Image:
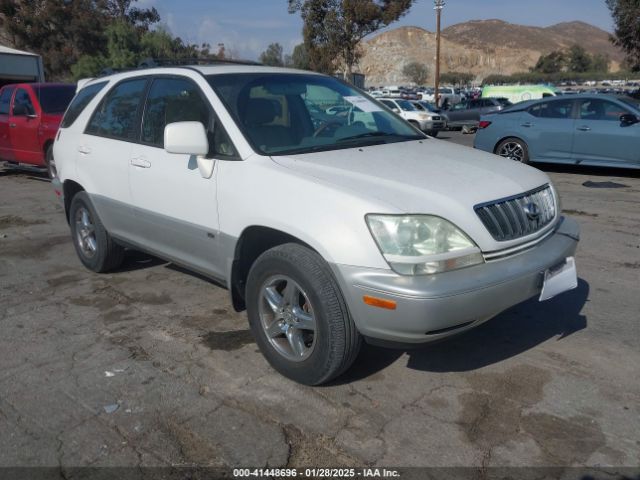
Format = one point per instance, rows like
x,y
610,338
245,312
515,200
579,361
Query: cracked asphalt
x,y
150,366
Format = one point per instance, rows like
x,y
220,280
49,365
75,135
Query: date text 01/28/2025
x,y
316,473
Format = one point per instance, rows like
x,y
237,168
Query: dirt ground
x,y
150,366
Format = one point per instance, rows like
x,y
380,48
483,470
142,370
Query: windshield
x,y
283,114
55,99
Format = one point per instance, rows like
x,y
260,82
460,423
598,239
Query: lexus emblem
x,y
532,210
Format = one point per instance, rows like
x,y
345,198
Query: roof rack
x,y
173,62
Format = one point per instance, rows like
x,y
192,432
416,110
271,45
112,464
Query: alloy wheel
x,y
86,233
287,318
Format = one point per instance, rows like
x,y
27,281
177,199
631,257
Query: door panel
x,y
600,138
23,130
104,151
548,128
6,152
175,207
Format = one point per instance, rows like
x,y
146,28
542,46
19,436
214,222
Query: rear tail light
x,y
484,124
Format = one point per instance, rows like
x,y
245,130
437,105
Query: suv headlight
x,y
422,244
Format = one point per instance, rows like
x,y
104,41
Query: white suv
x,y
328,229
424,121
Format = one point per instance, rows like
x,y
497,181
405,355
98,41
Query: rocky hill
x,y
481,47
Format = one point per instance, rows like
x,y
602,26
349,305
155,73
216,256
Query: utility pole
x,y
439,4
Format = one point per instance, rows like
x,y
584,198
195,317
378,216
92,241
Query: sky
x,y
246,27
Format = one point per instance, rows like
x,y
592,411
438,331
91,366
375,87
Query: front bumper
x,y
436,306
58,189
429,125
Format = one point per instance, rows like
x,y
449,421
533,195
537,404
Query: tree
x,y
299,58
626,16
333,29
552,63
416,72
457,78
600,63
578,59
62,31
272,55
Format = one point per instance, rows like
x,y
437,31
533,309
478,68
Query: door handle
x,y
584,128
84,150
140,162
527,124
12,125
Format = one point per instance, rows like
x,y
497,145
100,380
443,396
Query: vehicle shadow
x,y
136,260
509,334
586,170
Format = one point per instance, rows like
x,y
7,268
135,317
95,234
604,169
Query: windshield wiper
x,y
379,134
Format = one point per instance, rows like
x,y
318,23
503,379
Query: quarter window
x,y
558,109
23,99
116,115
597,109
5,100
80,102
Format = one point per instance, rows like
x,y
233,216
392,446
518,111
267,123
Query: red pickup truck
x,y
30,114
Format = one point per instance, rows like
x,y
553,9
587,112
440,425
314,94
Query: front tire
x,y
298,316
514,149
95,247
433,133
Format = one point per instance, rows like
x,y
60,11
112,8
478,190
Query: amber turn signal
x,y
379,302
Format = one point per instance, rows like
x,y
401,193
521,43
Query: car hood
x,y
428,176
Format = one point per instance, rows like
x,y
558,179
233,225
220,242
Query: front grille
x,y
518,216
436,118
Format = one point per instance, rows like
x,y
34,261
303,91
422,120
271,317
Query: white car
x,y
427,122
327,232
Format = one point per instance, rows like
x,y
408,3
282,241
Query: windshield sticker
x,y
363,104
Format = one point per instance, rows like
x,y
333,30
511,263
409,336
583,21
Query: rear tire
x,y
298,316
95,247
514,149
50,163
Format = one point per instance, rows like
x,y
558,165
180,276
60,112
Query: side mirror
x,y
396,110
189,138
628,119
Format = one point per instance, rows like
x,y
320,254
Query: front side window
x,y
300,113
116,115
80,102
558,109
173,100
55,99
597,109
22,104
5,100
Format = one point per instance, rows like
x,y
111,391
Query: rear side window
x,y
80,102
5,100
559,109
55,99
116,115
